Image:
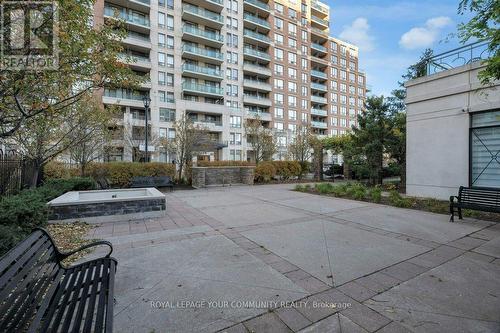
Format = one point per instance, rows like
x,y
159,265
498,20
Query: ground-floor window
x,y
485,149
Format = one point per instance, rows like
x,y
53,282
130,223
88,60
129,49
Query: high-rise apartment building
x,y
225,61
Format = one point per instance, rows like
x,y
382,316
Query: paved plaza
x,y
268,259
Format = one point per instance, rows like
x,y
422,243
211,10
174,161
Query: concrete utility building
x,y
453,126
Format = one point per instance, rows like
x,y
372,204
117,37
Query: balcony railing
x,y
120,94
259,4
203,13
202,52
257,68
202,70
319,7
257,83
319,112
208,122
256,35
319,86
320,21
256,20
134,58
318,99
202,88
458,57
256,53
203,33
319,124
318,47
122,14
317,73
320,31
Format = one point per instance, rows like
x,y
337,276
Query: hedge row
x,y
118,174
284,170
20,214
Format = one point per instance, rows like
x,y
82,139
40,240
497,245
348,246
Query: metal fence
x,y
458,57
15,174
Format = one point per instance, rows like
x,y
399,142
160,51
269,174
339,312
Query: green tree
x,y
484,26
88,60
262,140
396,144
371,136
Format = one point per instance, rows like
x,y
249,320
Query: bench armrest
x,y
452,198
70,253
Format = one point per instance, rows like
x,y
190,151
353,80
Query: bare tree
x,y
189,138
262,140
135,136
300,149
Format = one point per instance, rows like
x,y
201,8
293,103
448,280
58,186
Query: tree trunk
x,y
347,170
403,177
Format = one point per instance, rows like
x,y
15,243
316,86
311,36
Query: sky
x,y
392,34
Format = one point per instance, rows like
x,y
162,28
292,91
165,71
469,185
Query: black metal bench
x,y
159,181
484,199
39,294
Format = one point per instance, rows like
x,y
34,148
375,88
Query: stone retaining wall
x,y
220,176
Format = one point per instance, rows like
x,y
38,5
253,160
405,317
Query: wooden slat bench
x,y
159,181
39,294
484,199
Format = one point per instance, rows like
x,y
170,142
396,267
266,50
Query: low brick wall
x,y
220,176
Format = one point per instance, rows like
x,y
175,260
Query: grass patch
x,y
360,192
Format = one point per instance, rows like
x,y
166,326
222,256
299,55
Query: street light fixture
x,y
147,103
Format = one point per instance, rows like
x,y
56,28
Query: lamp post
x,y
147,102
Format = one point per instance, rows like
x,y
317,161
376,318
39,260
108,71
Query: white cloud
x,y
425,36
358,34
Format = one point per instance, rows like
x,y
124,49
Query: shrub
x,y
120,174
287,169
397,200
20,214
324,188
224,163
265,171
59,170
299,188
375,194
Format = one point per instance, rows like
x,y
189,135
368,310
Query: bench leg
x,y
460,214
452,214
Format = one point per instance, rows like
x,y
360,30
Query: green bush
x,y
120,174
287,169
264,172
299,188
20,214
59,170
224,163
397,200
375,194
324,188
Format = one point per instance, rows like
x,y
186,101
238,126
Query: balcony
x,y
257,6
319,86
256,54
319,112
255,22
256,38
199,72
197,14
140,23
322,23
319,8
318,49
257,85
318,74
202,36
256,100
135,41
264,116
140,5
197,53
319,124
213,5
256,69
135,62
210,125
123,97
318,99
202,89
321,33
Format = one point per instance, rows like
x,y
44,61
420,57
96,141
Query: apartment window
x,y
161,20
343,87
278,113
279,69
305,117
484,134
278,39
352,66
292,58
292,29
278,54
352,77
343,50
292,115
292,101
334,121
161,40
361,92
232,90
170,4
343,99
278,126
292,13
304,90
232,57
170,61
170,79
304,77
304,63
334,85
170,22
232,5
343,63
334,109
235,154
343,75
235,121
352,101
352,90
292,128
167,114
279,7
333,71
161,3
292,73
235,138
304,49
334,59
170,42
163,132
304,35
343,110
334,46
161,58
161,78
292,87
279,99
334,97
278,23
343,122
279,84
